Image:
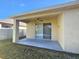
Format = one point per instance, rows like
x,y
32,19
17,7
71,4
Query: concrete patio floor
x,y
53,45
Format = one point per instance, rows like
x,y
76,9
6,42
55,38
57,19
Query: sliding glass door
x,y
43,31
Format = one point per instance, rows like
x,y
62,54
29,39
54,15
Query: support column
x,y
15,31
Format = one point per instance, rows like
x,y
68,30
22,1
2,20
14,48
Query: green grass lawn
x,y
9,50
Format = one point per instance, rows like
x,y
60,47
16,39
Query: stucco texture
x,y
71,30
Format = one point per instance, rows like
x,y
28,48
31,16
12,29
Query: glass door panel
x,y
39,31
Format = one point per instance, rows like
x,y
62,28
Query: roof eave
x,y
51,8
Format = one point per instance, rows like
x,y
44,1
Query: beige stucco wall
x,y
71,30
30,31
52,20
60,29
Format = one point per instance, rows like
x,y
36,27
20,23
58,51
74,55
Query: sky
x,y
13,7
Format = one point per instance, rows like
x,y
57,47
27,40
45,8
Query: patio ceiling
x,y
41,17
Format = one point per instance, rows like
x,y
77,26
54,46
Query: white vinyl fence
x,y
8,33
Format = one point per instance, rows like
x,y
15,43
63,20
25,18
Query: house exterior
x,y
5,25
6,29
8,23
58,23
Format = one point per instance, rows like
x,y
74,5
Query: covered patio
x,y
42,30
